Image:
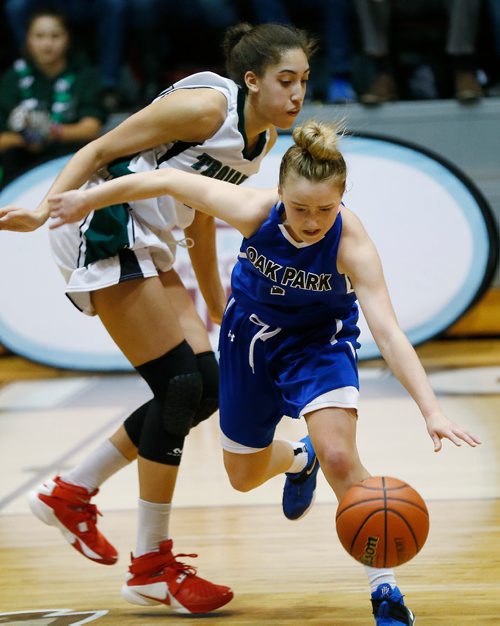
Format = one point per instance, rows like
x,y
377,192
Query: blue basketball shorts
x,y
268,372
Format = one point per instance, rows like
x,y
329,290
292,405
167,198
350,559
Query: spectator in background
x,y
336,17
107,18
494,15
375,19
49,106
160,55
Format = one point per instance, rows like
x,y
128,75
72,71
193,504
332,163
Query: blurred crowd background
x,y
370,51
69,68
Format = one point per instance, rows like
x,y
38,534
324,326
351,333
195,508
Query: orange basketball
x,y
382,522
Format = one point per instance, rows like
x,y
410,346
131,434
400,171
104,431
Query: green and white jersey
x,y
131,240
223,156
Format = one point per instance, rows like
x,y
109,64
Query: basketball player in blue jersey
x,y
118,264
289,333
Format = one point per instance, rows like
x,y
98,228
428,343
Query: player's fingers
x,y
453,438
467,437
56,197
55,203
5,220
55,224
437,443
5,212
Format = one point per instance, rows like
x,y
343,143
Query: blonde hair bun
x,y
318,139
315,155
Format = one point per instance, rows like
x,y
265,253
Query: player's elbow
x,y
209,120
94,154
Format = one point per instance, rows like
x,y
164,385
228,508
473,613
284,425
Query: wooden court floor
x,y
281,572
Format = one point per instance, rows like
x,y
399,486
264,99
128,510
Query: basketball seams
x,y
386,525
361,525
421,508
412,532
382,521
385,521
378,487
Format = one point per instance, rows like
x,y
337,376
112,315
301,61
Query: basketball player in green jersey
x,y
118,265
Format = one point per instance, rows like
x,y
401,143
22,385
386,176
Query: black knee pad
x,y
177,386
209,370
134,423
181,403
156,443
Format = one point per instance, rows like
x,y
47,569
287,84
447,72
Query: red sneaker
x,y
158,578
68,507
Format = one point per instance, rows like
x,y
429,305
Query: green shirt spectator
x,y
49,104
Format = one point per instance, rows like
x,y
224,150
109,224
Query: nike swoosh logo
x,y
309,471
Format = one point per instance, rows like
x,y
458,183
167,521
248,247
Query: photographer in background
x,y
49,104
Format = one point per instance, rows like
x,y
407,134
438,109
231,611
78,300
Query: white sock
x,y
378,576
299,458
152,526
97,467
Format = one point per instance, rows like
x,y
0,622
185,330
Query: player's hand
x,y
215,315
20,220
216,309
439,427
68,207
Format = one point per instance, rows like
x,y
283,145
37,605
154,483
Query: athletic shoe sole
x,y
135,597
46,514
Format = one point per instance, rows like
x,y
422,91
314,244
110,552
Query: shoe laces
x,y
183,568
87,513
155,563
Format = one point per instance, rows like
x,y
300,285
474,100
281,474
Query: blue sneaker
x,y
298,494
389,608
340,91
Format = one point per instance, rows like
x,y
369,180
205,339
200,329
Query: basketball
x,y
382,521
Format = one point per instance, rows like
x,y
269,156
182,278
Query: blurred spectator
x,y
107,20
336,18
375,20
49,106
162,48
158,30
494,15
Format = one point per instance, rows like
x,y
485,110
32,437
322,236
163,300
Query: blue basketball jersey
x,y
288,337
292,284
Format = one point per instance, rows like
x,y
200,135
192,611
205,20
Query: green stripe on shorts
x,y
107,233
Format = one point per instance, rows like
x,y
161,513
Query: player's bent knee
x,y
134,423
243,474
177,387
181,403
209,370
208,406
336,462
241,481
156,443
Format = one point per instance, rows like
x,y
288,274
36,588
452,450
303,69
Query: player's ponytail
x,y
233,36
315,154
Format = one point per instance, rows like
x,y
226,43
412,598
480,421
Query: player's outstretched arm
x,y
244,208
203,256
19,219
187,115
359,259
